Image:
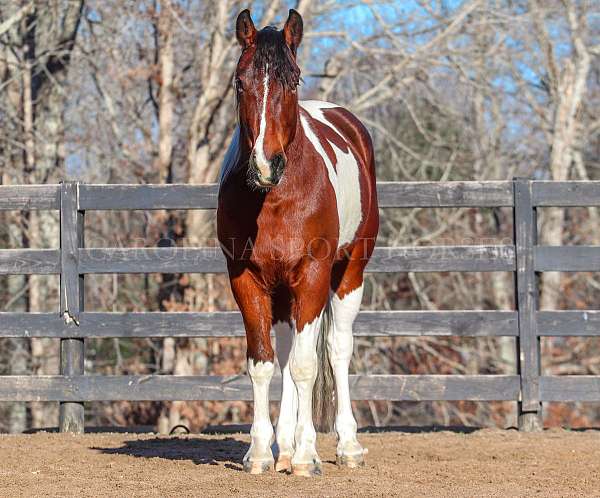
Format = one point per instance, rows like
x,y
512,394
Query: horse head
x,y
266,80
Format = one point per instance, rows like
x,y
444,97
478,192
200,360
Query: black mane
x,y
271,49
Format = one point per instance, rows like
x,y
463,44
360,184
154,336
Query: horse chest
x,y
276,239
282,242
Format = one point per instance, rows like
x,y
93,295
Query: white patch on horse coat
x,y
315,109
303,367
288,411
262,429
344,177
259,146
340,344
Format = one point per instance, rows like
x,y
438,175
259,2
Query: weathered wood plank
x,y
181,388
528,344
29,261
570,193
28,325
229,324
442,258
211,260
567,258
445,194
435,387
436,323
112,197
160,324
152,260
570,388
390,194
572,323
72,354
29,197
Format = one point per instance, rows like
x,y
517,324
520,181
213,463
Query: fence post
x,y
528,342
71,299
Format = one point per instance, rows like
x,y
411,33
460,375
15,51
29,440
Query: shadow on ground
x,y
245,429
199,450
227,451
418,429
113,429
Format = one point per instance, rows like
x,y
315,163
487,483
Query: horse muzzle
x,y
266,175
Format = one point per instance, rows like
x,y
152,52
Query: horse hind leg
x,y
344,310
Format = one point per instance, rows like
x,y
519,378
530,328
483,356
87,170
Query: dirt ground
x,y
400,463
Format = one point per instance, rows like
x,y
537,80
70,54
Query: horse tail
x,y
324,391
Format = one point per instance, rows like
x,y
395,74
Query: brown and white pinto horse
x,y
297,220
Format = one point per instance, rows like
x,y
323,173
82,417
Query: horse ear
x,y
245,31
292,31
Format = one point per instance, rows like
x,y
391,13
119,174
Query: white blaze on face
x,y
259,146
344,177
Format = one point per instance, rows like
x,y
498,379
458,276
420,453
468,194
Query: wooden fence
x,y
72,261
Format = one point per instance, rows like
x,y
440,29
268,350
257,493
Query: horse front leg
x,y
255,305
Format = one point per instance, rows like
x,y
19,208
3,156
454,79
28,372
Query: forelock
x,y
271,49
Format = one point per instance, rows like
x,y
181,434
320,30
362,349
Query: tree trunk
x,y
166,99
567,89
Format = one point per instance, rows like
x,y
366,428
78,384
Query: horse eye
x,y
238,85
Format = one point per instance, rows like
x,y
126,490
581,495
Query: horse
x,y
297,219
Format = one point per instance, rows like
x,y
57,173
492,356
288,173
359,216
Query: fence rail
x,y
72,324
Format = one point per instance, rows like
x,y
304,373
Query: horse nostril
x,y
277,166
